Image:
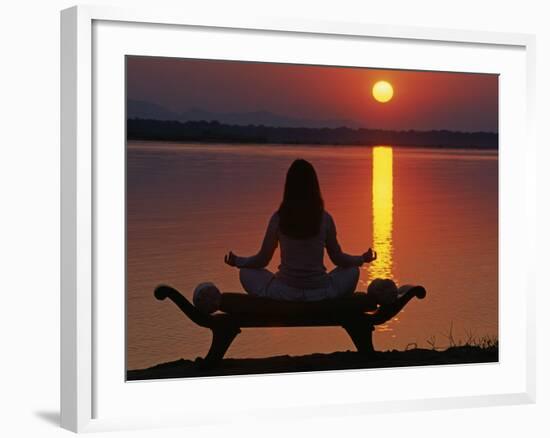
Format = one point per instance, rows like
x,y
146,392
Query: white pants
x,y
263,283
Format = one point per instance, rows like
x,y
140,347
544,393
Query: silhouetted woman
x,y
303,229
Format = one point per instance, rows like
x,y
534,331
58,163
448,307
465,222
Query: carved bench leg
x,y
361,335
222,337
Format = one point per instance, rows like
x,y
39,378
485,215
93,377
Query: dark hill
x,y
320,362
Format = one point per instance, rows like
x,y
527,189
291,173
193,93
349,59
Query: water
x,y
432,215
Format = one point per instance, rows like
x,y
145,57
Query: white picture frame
x,y
87,379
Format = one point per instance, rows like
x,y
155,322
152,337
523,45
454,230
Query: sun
x,y
382,91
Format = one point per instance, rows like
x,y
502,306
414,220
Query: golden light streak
x,y
382,212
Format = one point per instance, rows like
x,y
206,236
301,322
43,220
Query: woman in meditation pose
x,y
303,229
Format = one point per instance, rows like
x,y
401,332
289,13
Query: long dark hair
x,y
302,208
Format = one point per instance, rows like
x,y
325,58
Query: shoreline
x,y
216,132
337,361
481,150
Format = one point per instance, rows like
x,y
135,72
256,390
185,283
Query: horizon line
x,y
402,130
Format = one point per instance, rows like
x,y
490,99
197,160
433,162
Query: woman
x,y
303,229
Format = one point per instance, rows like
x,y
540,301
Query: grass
x,y
470,340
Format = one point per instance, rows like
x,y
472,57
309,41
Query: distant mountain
x,y
265,118
139,109
204,131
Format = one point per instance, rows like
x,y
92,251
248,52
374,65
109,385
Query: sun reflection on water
x,y
382,212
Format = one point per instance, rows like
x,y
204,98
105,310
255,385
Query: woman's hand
x,y
230,259
370,256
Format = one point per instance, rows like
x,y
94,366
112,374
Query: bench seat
x,y
357,314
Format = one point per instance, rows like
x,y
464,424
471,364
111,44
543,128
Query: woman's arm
x,y
337,256
269,245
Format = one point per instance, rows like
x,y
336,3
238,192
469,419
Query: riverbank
x,y
215,132
321,362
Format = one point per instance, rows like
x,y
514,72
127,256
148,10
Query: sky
x,y
422,100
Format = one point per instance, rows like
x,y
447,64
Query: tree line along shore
x,y
216,132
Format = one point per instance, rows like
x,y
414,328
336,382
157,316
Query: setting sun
x,y
382,91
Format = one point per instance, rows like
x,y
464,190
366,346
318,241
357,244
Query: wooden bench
x,y
357,314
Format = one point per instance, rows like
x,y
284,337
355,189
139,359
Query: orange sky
x,y
422,100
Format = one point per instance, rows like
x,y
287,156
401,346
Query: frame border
x,y
77,197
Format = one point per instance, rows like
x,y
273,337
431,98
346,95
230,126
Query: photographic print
x,y
291,218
